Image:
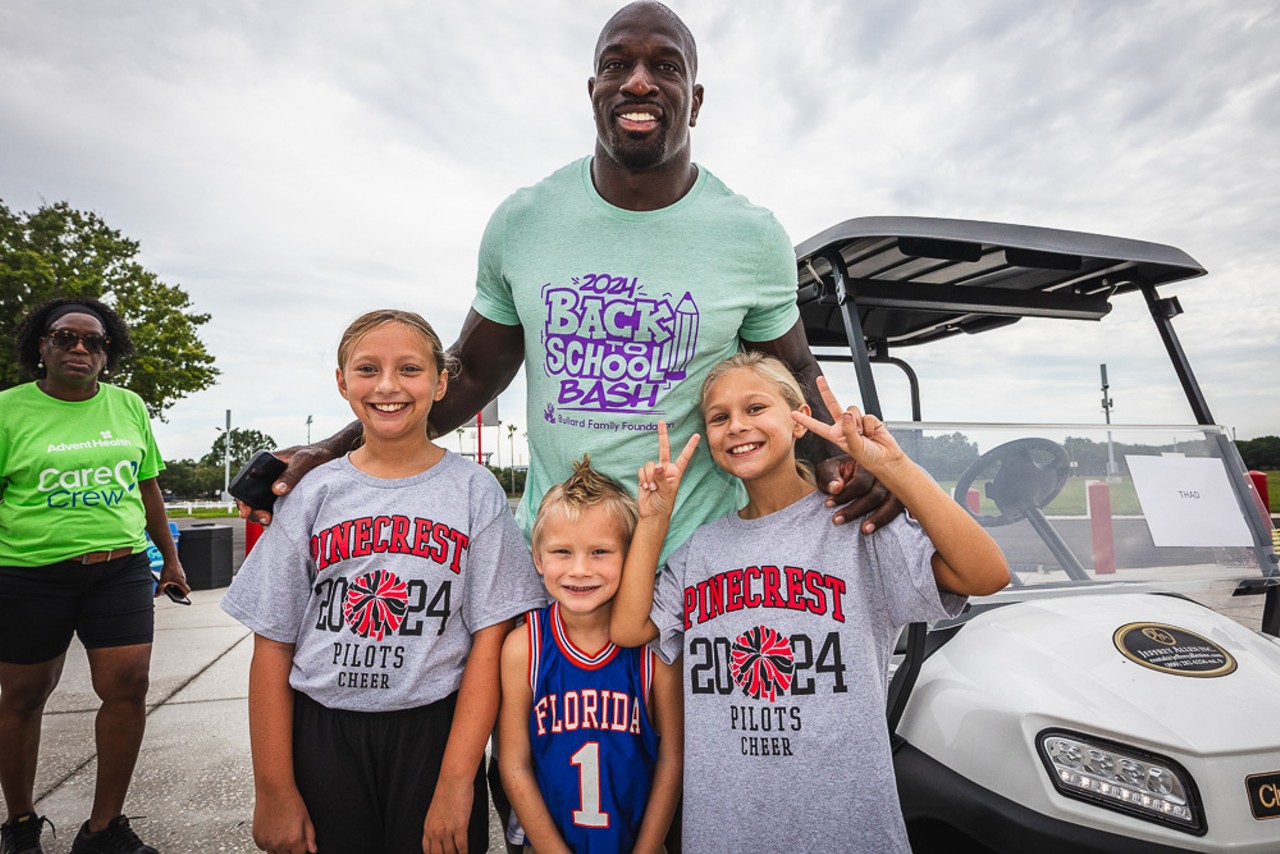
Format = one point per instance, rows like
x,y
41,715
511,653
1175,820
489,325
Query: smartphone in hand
x,y
252,484
175,595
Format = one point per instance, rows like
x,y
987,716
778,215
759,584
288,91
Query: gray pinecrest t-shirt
x,y
380,583
786,624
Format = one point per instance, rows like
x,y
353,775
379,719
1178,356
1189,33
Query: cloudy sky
x,y
291,164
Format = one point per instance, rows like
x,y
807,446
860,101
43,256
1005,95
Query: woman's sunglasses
x,y
64,339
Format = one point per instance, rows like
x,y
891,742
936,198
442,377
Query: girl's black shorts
x,y
367,778
106,604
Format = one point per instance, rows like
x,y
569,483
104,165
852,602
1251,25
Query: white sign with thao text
x,y
1188,501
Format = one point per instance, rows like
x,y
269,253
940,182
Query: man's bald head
x,y
650,10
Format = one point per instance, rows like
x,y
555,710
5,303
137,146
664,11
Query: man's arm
x,y
852,491
488,356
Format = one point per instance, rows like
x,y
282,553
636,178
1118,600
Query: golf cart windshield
x,y
1086,506
1074,507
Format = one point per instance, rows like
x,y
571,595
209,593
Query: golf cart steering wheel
x,y
1029,474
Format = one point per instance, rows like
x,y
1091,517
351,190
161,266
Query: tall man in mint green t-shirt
x,y
618,282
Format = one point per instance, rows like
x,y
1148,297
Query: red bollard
x,y
252,530
1259,479
1104,545
974,501
1262,498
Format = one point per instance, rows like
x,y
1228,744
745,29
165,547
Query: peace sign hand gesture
x,y
863,437
658,482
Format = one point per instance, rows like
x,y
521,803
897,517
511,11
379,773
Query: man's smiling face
x,y
643,93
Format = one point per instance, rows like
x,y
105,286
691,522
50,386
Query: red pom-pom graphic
x,y
376,604
762,663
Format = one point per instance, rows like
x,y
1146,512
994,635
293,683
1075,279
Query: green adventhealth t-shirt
x,y
69,474
624,313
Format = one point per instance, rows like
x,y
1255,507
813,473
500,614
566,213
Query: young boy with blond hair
x,y
590,733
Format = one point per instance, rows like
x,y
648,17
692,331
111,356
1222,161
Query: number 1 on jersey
x,y
587,759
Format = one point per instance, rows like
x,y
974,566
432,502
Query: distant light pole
x,y
511,433
1107,403
308,429
226,460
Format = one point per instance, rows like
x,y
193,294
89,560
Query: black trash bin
x,y
205,551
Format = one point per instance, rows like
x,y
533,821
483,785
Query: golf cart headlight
x,y
1121,778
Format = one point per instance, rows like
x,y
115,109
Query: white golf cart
x,y
1099,702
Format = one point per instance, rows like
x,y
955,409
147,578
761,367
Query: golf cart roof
x,y
917,279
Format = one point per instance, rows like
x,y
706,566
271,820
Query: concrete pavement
x,y
193,782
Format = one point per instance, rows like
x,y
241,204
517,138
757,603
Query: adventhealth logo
x,y
105,442
90,486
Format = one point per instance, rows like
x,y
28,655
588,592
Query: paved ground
x,y
193,783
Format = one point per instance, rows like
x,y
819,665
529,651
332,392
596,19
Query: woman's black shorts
x,y
106,604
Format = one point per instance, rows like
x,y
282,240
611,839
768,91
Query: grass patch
x,y
177,511
1071,500
1273,490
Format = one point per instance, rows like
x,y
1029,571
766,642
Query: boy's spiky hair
x,y
587,488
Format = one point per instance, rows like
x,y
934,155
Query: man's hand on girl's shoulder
x,y
301,459
854,492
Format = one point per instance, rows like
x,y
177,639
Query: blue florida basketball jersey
x,y
593,745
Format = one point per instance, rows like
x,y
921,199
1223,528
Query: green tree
x,y
191,479
946,456
508,479
58,251
1262,453
1089,456
244,444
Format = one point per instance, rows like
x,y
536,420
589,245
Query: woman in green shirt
x,y
78,466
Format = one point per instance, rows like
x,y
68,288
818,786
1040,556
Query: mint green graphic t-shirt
x,y
69,474
624,313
